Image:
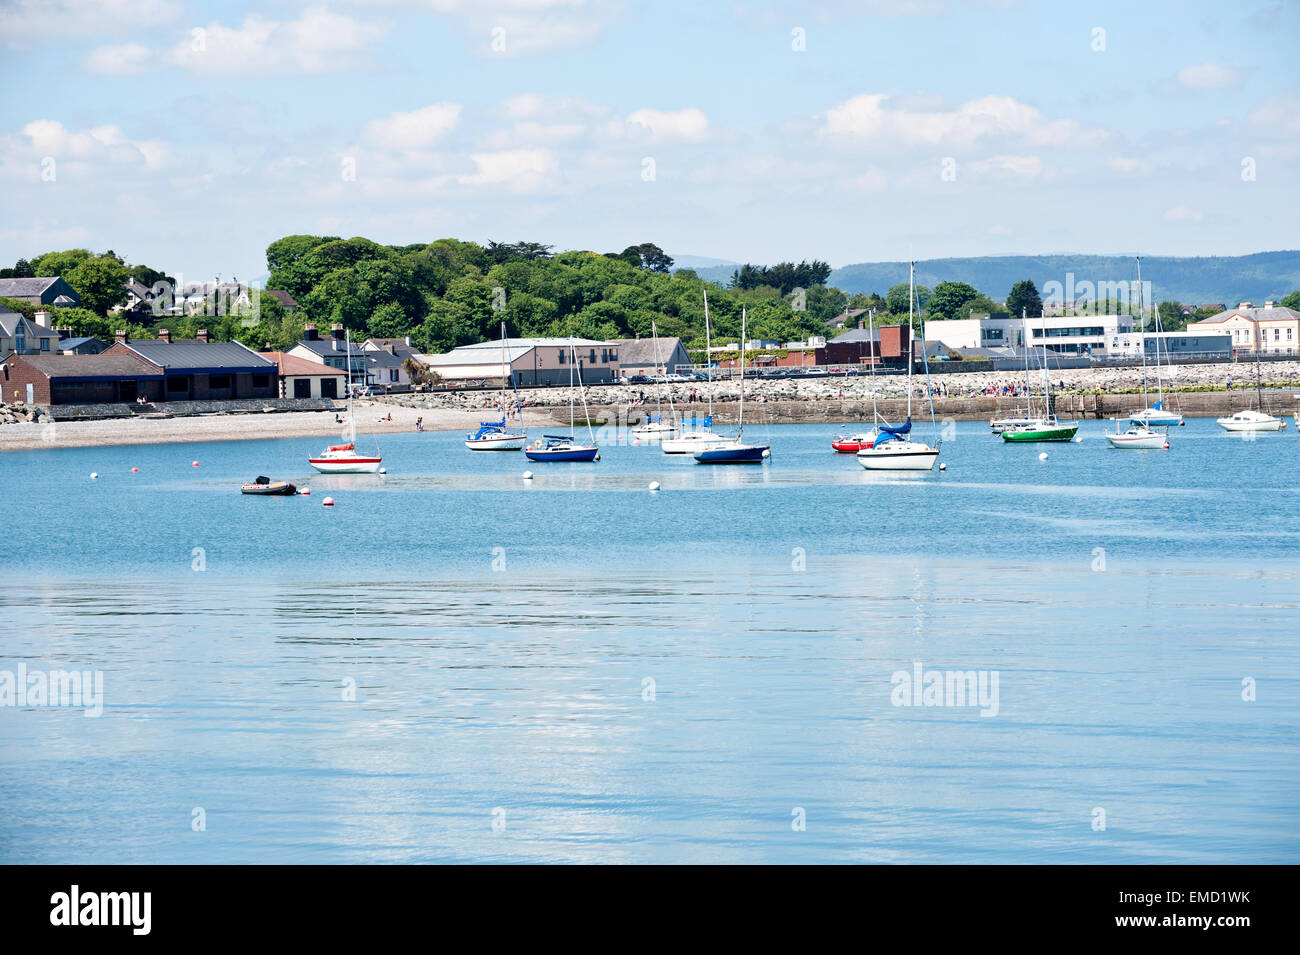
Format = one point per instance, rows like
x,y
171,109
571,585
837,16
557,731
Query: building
x,y
1171,345
885,344
639,356
332,351
284,298
1271,330
21,335
88,345
80,379
535,361
200,369
849,318
300,378
1065,334
48,290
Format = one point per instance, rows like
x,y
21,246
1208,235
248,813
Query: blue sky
x,y
943,127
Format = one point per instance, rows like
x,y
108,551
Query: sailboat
x,y
1046,428
894,449
1156,414
495,435
1253,419
697,436
559,447
858,440
735,450
345,458
998,425
1140,436
654,429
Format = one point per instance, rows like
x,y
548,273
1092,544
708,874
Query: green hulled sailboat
x,y
1047,427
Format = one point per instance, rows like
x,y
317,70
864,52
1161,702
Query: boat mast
x,y
1144,342
514,386
352,418
740,431
911,285
871,335
1024,334
573,360
708,354
659,391
1047,382
585,413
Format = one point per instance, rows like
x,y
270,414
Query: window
x,y
604,355
613,354
219,382
175,384
1288,334
45,344
561,356
593,357
392,374
1277,334
261,381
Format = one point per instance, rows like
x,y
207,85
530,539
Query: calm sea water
x,y
575,669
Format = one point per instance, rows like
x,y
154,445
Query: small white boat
x,y
344,459
494,436
998,425
1138,438
1156,416
1251,421
654,430
689,442
898,455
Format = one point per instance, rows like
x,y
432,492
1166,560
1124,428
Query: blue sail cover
x,y
488,427
1159,406
888,432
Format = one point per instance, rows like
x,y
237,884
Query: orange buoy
x,y
194,464
134,470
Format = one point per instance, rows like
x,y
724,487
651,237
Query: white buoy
x,y
328,502
1042,456
1078,438
383,470
94,475
528,475
305,491
654,485
942,466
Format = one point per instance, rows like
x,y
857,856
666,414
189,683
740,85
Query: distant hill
x,y
1230,279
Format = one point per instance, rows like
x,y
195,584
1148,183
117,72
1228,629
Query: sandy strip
x,y
237,427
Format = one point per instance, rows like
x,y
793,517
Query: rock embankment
x,y
22,414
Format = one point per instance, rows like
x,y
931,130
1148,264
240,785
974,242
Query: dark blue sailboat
x,y
735,450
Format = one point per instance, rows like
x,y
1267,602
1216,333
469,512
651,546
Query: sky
x,y
189,135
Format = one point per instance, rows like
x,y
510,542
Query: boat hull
x,y
854,444
898,456
654,433
998,425
1032,435
275,489
1155,418
1237,424
1139,442
345,465
562,454
505,442
733,454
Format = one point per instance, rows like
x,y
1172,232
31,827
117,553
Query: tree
x,y
1291,301
388,321
1023,298
950,299
648,256
896,298
22,270
100,282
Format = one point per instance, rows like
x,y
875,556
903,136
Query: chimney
x,y
64,333
122,336
203,336
43,318
1244,305
336,331
165,335
309,331
1266,305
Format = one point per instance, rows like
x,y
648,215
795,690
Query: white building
x,y
535,361
1066,334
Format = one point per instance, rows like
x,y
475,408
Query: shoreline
x,y
110,432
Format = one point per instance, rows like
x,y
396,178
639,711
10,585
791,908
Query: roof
x,y
325,346
1278,313
473,355
856,335
196,354
91,366
641,351
23,288
70,343
384,359
283,297
295,367
9,322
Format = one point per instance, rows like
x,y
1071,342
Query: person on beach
x,y
419,424
1229,382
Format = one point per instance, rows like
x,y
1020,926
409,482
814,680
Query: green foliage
x,y
1291,301
896,298
950,300
1023,299
100,281
785,277
19,305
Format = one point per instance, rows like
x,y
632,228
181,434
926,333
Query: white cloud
x,y
1206,76
869,117
317,42
1017,167
521,170
1182,214
125,59
27,24
416,129
23,155
685,125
